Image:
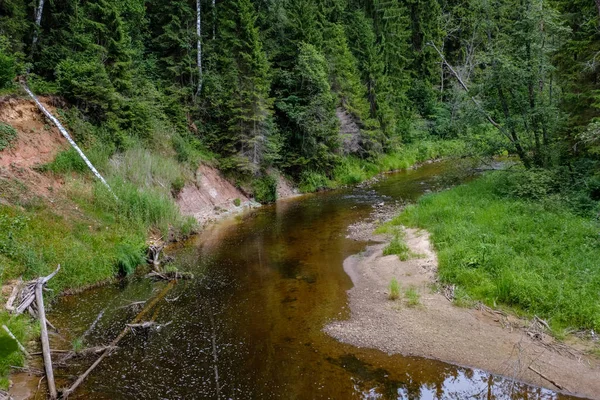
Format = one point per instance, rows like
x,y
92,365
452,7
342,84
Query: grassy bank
x,y
534,254
352,170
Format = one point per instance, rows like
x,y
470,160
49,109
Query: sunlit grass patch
x,y
502,250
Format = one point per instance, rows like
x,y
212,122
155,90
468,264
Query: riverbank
x,y
423,322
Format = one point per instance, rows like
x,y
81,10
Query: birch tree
x,y
199,45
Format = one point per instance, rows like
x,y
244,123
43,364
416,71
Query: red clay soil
x,y
37,142
211,197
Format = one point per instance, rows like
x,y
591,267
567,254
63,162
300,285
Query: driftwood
x,y
44,333
13,296
546,378
16,340
4,395
154,255
169,276
116,341
148,325
91,351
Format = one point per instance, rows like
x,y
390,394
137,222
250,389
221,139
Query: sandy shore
x,y
435,328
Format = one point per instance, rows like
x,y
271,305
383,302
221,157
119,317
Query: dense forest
x,y
306,85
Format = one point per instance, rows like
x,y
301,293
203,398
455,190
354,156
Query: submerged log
x,y
116,341
170,276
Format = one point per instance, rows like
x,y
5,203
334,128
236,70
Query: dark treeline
x,y
268,83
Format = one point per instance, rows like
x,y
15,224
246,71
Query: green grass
x,y
394,290
352,170
503,250
10,355
398,246
412,296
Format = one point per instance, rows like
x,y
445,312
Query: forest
x,y
316,88
322,95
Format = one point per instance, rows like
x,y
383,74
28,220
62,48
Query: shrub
x,y
7,135
237,202
265,189
394,289
311,181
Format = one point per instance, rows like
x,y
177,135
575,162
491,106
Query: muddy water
x,y
249,326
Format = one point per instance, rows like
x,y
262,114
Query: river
x,y
249,326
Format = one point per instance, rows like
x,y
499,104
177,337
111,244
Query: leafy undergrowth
x,y
10,354
536,257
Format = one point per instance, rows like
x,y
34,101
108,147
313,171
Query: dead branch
x,y
13,296
116,341
154,255
546,378
169,276
93,325
473,99
148,325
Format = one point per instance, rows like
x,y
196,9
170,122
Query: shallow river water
x,y
250,325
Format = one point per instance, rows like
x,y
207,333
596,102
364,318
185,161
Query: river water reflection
x,y
250,325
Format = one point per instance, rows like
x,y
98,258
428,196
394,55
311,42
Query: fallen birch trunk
x,y
64,132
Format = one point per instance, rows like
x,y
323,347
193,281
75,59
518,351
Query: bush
x,y
237,202
533,184
265,189
7,135
311,181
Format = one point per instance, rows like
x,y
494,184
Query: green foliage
x,y
129,256
265,189
237,202
312,181
398,247
66,161
394,290
7,135
7,70
10,355
517,252
412,296
177,186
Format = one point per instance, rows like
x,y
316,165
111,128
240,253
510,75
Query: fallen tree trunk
x,y
116,341
44,336
64,132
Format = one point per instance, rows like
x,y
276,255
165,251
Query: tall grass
x,y
516,252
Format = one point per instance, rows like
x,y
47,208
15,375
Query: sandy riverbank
x,y
436,328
